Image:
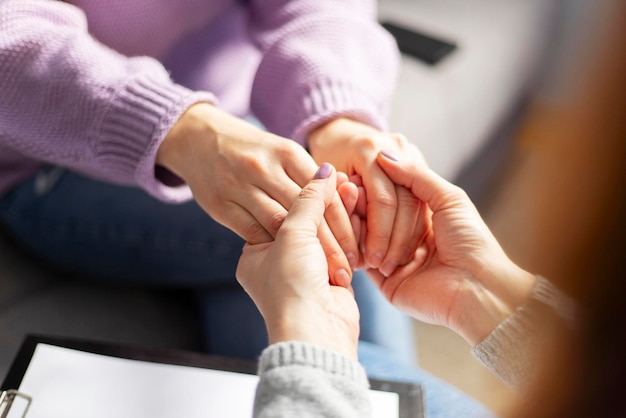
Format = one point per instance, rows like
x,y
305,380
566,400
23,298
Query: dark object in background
x,y
418,45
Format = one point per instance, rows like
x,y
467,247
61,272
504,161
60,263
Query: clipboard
x,y
142,381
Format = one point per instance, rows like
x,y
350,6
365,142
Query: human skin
x,y
459,277
395,221
246,179
287,277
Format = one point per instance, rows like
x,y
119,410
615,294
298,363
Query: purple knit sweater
x,y
96,85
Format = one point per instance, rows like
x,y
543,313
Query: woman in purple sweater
x,y
108,105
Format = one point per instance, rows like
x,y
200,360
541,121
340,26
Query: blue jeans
x,y
441,399
120,234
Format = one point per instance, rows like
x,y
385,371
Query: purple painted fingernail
x,y
389,155
323,172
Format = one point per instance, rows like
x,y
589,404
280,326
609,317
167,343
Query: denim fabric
x,y
441,399
98,231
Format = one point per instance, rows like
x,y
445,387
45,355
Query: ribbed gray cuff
x,y
296,353
511,350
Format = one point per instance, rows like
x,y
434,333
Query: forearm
x,y
304,380
71,101
492,297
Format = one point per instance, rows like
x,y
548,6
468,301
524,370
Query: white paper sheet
x,y
67,383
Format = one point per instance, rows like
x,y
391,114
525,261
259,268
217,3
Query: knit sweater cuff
x,y
511,350
330,100
349,68
295,353
136,124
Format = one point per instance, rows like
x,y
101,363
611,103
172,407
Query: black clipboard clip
x,y
7,397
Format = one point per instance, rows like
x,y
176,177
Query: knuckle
x,y
453,195
457,193
333,253
253,232
386,200
256,164
290,149
276,221
407,199
336,204
399,140
369,144
310,192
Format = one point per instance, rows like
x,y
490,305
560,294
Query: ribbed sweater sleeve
x,y
512,350
303,380
69,100
321,59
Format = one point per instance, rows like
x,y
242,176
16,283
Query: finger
x,y
339,268
362,199
266,213
422,230
349,194
356,179
381,212
361,203
424,183
355,221
307,211
392,287
306,217
248,266
341,178
338,221
404,233
336,216
245,224
363,235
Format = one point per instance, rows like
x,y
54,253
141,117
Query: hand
x,y
460,277
395,220
246,179
288,280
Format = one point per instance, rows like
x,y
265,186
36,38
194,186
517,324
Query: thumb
x,y
423,182
307,212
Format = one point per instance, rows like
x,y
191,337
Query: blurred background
x,y
487,116
482,89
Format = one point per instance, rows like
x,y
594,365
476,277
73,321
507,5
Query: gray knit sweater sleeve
x,y
303,380
511,350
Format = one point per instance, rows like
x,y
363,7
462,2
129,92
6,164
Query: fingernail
x,y
388,268
352,260
342,278
389,155
375,260
323,172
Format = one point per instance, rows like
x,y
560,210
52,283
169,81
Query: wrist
x,y
311,324
324,137
193,129
493,299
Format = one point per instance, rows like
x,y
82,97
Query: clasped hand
x,y
392,221
458,277
246,179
